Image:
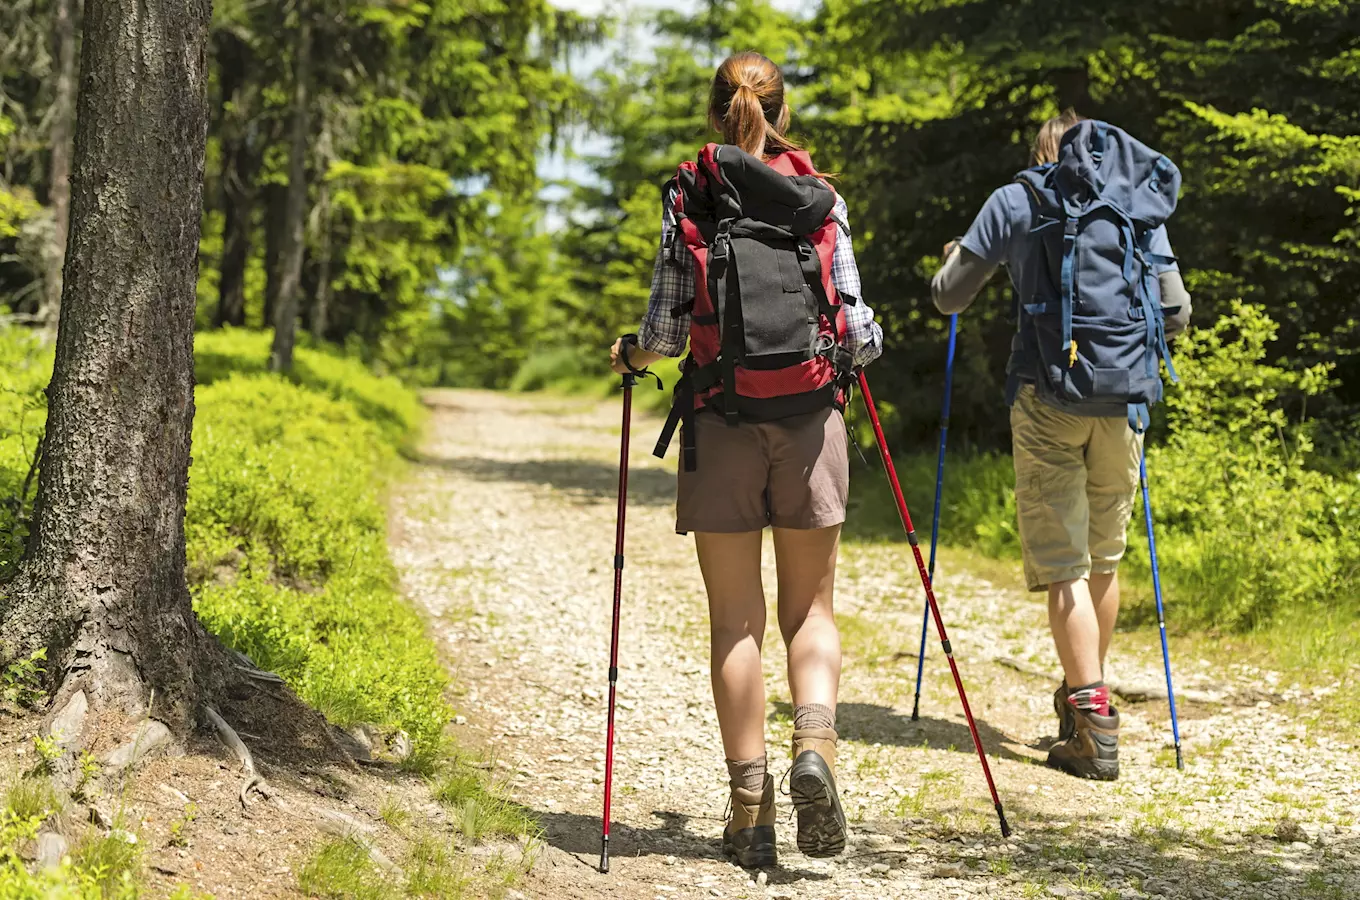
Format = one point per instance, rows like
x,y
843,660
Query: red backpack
x,y
767,332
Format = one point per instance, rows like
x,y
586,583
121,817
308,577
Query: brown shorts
x,y
792,473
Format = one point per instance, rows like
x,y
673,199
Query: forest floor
x,y
504,535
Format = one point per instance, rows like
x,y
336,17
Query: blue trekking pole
x,y
935,521
1161,615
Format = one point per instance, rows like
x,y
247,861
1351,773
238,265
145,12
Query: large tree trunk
x,y
275,226
103,586
63,124
294,243
319,320
1073,87
240,162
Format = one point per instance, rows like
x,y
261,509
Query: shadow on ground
x,y
581,479
674,835
872,723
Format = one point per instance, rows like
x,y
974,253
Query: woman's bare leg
x,y
806,563
736,611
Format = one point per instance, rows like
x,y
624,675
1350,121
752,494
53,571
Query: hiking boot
x,y
1067,714
812,786
748,839
1093,749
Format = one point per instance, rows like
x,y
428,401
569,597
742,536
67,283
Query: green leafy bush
x,y
287,536
381,400
1248,530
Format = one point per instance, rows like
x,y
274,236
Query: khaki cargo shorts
x,y
791,473
1075,479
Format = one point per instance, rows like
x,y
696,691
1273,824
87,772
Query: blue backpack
x,y
1093,328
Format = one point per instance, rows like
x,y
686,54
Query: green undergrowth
x,y
25,369
287,533
1256,540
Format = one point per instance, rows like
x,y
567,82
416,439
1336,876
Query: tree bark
x,y
1073,87
294,243
103,585
319,320
240,163
275,225
63,124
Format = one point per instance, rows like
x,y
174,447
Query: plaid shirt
x,y
673,284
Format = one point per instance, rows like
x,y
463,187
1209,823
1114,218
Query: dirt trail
x,y
505,537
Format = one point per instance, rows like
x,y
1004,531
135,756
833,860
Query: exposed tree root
x,y
254,780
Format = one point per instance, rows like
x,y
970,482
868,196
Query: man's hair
x,y
1050,135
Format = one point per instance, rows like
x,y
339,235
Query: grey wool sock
x,y
747,774
813,715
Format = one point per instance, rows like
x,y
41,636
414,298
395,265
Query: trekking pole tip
x,y
604,857
1180,760
1005,826
916,711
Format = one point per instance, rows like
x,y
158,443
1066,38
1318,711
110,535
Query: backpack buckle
x,y
721,245
1070,227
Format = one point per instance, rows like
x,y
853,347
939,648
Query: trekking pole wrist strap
x,y
631,340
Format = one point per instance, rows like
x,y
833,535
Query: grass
x,y
571,371
478,807
30,797
936,788
112,860
341,869
394,813
99,866
433,869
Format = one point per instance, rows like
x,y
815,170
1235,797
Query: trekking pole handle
x,y
633,373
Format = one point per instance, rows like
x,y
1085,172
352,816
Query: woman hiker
x,y
756,271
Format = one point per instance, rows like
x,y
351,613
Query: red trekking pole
x,y
628,381
930,595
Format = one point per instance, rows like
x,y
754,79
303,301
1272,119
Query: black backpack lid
x,y
799,204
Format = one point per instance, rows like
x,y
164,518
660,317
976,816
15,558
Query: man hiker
x,y
1097,294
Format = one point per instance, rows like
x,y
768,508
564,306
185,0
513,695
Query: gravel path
x,y
504,534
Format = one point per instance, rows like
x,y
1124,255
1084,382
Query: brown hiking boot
x,y
1067,714
812,786
1093,749
748,839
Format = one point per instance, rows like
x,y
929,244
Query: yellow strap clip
x,y
1072,360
